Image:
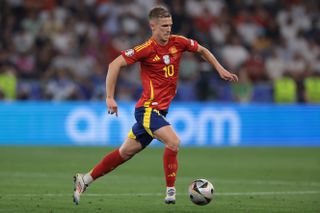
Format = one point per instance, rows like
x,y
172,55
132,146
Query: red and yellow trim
x,y
148,102
142,46
131,135
147,119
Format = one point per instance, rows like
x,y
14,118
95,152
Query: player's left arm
x,y
209,57
111,79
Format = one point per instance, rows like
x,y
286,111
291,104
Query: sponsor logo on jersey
x,y
129,52
192,42
166,59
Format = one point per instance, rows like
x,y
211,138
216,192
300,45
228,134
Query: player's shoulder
x,y
182,40
144,46
178,37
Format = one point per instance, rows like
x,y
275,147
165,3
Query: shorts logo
x,y
166,59
129,52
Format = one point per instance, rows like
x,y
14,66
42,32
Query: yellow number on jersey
x,y
168,71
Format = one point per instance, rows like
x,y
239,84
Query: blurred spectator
x,y
26,65
275,66
8,83
220,30
23,41
188,73
262,44
315,65
272,30
234,54
242,91
189,67
297,66
178,15
255,67
289,30
207,84
247,28
83,66
98,81
285,90
312,88
60,85
125,87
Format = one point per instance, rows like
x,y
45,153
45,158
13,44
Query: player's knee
x,y
126,154
174,144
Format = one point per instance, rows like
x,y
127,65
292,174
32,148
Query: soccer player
x,y
159,59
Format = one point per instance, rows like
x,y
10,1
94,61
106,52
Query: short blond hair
x,y
159,12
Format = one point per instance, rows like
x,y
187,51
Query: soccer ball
x,y
201,192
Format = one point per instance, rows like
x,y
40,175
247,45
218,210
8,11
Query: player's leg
x,y
137,140
170,162
111,161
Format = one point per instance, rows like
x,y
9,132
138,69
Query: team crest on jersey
x,y
166,59
129,52
192,42
173,50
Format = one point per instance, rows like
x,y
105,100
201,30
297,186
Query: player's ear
x,y
152,24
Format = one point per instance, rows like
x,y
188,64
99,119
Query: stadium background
x,y
54,57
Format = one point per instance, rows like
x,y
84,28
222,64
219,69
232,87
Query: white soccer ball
x,y
201,192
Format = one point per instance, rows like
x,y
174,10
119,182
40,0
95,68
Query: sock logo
x,y
173,174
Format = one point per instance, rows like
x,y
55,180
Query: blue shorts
x,y
148,121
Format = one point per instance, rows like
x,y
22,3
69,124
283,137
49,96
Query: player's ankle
x,y
87,179
171,190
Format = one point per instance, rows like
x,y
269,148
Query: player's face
x,y
162,29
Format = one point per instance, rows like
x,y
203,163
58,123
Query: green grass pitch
x,y
39,179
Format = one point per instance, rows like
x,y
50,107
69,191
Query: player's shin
x,y
170,164
107,164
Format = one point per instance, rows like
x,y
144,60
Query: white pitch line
x,y
266,182
266,193
185,178
161,194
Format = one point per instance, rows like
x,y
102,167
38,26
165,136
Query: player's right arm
x,y
127,57
111,80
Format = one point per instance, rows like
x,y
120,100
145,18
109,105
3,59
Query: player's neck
x,y
160,41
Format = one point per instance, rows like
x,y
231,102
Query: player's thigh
x,y
129,148
168,136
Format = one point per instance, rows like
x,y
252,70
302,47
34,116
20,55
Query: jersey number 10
x,y
168,71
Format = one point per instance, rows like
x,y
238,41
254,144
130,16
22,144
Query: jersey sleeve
x,y
188,44
135,54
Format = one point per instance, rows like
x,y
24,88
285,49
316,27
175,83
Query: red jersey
x,y
159,69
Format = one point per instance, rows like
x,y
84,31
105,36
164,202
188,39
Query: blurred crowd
x,y
60,49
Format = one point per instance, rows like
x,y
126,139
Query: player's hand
x,y
228,76
112,106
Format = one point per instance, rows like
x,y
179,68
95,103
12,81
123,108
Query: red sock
x,y
170,165
107,164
